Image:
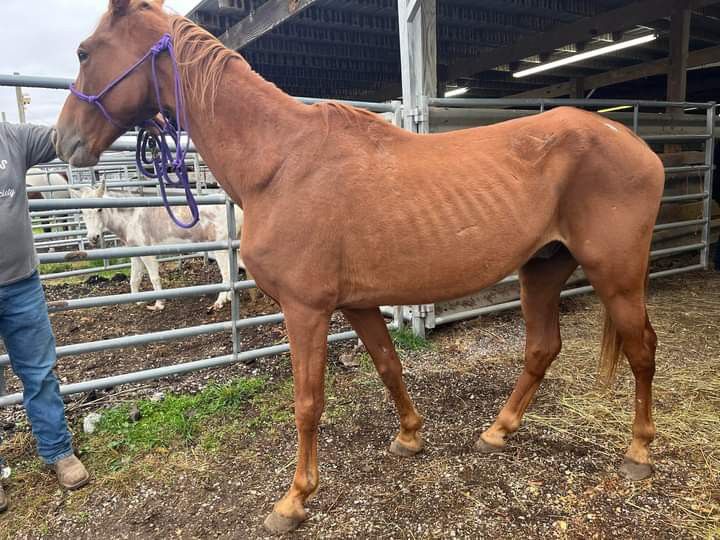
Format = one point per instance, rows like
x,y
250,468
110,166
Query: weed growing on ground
x,y
407,341
176,419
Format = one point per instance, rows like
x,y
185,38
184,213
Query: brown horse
x,y
345,211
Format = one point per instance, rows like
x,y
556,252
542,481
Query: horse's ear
x,y
119,7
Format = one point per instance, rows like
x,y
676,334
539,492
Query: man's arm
x,y
39,146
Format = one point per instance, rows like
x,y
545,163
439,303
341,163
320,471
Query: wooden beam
x,y
639,12
577,88
679,42
630,73
264,19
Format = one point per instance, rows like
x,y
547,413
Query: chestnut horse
x,y
345,211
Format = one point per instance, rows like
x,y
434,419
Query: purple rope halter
x,y
153,147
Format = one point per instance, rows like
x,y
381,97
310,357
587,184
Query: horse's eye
x,y
82,55
100,210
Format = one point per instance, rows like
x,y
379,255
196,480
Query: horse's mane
x,y
198,48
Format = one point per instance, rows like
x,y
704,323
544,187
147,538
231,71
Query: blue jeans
x,y
25,330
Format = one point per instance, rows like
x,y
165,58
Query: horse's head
x,y
94,218
125,33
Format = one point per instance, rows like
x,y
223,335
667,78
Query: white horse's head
x,y
93,217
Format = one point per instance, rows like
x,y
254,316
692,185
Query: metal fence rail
x,y
49,212
56,212
435,109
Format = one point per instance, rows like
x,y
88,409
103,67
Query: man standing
x,y
24,323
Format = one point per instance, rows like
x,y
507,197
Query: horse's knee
x,y
308,411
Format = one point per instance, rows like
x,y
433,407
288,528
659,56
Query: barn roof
x,y
349,49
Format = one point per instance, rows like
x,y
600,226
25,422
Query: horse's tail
x,y
612,344
610,351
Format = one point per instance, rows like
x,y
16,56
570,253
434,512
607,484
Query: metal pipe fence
x,y
424,315
59,212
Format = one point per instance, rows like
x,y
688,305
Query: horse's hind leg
x,y
623,294
370,326
541,281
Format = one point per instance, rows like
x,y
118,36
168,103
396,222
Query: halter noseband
x,y
152,146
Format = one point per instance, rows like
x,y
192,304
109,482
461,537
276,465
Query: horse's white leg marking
x,y
153,267
223,261
137,271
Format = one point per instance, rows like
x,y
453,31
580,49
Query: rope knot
x,y
162,45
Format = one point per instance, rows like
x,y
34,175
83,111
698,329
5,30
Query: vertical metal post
x,y
418,59
708,185
20,102
636,117
232,261
196,165
199,190
398,311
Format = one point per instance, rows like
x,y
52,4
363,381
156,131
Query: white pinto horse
x,y
38,178
152,226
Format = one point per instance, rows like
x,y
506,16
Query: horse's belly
x,y
420,273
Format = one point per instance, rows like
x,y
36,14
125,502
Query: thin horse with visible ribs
x,y
345,211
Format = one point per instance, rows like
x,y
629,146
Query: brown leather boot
x,y
3,500
71,473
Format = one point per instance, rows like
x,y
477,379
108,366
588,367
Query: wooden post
x,y
577,88
678,56
679,41
418,59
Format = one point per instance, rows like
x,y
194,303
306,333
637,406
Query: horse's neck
x,y
117,221
255,126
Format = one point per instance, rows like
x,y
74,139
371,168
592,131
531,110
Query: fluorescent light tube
x,y
585,55
456,92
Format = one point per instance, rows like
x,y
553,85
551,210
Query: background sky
x,y
40,38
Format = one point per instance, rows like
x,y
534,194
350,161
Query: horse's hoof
x,y
399,449
487,448
632,470
278,524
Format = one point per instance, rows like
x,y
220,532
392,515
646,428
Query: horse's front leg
x,y
153,268
307,330
223,261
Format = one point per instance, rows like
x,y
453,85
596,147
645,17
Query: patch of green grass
x,y
177,419
54,268
366,363
407,341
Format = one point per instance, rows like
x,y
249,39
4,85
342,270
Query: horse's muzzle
x,y
73,150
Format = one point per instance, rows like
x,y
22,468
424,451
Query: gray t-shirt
x,y
21,146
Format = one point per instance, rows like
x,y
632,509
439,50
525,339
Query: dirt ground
x,y
557,478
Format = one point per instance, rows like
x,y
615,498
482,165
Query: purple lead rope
x,y
153,148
